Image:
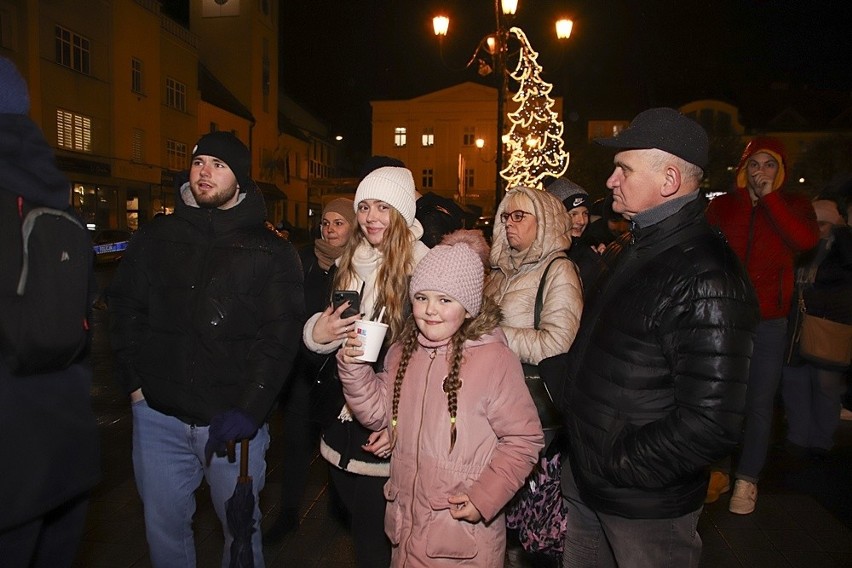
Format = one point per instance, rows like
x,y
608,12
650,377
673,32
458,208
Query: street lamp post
x,y
497,45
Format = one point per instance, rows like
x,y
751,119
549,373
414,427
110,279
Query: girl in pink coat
x,y
464,430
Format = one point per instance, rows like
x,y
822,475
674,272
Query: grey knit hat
x,y
569,193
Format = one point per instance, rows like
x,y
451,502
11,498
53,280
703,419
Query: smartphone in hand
x,y
342,296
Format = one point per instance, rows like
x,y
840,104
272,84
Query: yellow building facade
x,y
116,87
436,135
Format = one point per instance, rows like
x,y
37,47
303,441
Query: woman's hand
x,y
378,444
331,326
462,509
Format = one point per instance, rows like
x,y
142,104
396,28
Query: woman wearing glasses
x,y
532,231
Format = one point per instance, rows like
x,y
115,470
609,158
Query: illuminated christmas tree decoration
x,y
534,143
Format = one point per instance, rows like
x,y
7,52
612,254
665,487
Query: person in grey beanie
x,y
583,251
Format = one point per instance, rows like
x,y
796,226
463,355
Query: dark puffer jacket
x,y
49,444
659,369
207,309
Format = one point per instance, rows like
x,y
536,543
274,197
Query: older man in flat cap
x,y
655,383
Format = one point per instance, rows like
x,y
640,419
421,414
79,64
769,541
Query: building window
x,y
136,76
176,153
428,180
176,94
468,178
469,137
73,131
72,50
428,137
137,146
399,136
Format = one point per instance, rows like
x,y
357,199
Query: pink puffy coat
x,y
498,441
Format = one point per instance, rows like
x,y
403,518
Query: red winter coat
x,y
498,440
768,235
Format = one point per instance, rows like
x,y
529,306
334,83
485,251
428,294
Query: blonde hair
x,y
392,277
452,382
520,201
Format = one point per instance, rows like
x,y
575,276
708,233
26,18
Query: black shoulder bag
x,y
548,414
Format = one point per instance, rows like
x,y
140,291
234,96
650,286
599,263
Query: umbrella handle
x,y
230,446
244,459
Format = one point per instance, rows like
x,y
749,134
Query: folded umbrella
x,y
239,511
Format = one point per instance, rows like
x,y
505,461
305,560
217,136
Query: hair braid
x,y
453,383
408,346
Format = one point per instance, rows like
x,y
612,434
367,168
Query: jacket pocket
x,y
445,536
393,513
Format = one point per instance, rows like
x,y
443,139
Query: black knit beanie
x,y
229,149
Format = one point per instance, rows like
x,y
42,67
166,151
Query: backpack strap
x,y
539,297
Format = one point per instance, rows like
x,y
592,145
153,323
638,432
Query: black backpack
x,y
46,260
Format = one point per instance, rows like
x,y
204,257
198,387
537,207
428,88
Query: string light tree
x,y
496,45
534,143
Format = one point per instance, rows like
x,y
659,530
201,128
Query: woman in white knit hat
x,y
376,262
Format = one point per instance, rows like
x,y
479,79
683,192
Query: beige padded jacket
x,y
514,280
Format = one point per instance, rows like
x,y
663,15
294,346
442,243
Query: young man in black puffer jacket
x,y
206,308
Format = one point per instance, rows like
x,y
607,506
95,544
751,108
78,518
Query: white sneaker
x,y
744,498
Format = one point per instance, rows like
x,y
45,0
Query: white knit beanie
x,y
394,186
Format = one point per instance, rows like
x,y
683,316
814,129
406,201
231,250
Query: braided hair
x,y
452,382
451,385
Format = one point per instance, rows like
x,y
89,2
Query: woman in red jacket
x,y
767,227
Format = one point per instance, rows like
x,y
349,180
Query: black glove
x,y
232,425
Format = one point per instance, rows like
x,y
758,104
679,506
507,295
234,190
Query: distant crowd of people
x,y
661,325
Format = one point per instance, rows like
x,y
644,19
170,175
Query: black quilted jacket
x,y
659,372
206,312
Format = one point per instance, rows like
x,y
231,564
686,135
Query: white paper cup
x,y
372,335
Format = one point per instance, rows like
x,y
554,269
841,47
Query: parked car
x,y
109,244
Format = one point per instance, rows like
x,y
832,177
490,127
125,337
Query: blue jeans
x,y
595,539
763,378
812,399
168,461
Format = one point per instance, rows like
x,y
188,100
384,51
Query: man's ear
x,y
671,182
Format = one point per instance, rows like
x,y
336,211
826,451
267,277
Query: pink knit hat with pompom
x,y
455,267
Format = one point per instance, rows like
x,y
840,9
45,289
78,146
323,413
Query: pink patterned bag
x,y
537,512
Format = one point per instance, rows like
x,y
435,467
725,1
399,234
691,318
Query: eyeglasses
x,y
517,216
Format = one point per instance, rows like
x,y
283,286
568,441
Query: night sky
x,y
624,55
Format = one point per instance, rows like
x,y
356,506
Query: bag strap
x,y
539,297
